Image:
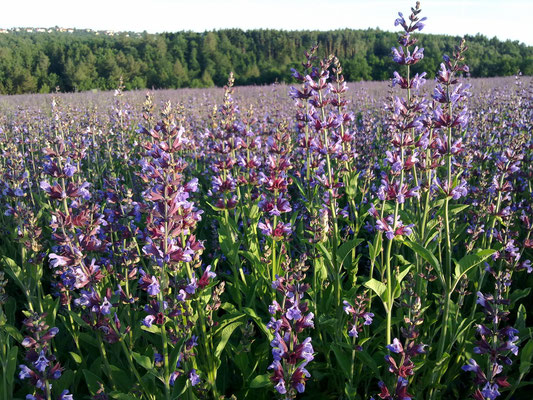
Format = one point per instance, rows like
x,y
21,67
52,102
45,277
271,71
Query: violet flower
x,y
290,356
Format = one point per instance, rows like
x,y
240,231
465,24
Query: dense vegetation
x,y
327,240
79,61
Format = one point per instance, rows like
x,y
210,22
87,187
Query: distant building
x,y
69,30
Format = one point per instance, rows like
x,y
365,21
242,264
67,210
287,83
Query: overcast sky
x,y
506,19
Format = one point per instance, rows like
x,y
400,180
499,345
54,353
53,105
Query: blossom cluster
x,y
289,319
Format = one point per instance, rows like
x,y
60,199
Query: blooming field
x,y
328,240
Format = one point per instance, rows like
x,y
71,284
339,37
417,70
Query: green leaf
x,y
143,361
431,236
460,330
253,258
78,319
93,381
175,354
14,271
224,337
13,332
442,365
230,318
526,354
214,207
343,358
227,240
327,255
89,339
122,396
346,248
375,249
76,357
428,256
294,215
321,270
299,185
351,182
521,316
65,382
152,329
397,285
518,294
251,313
253,212
179,388
42,206
403,261
11,365
260,381
453,209
465,264
367,360
400,277
378,287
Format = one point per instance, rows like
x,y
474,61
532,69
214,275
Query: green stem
x,y
212,370
352,365
5,352
445,317
106,361
146,392
162,303
448,276
274,258
390,298
389,292
333,209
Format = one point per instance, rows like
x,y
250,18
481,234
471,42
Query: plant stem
x,y
389,291
106,361
448,277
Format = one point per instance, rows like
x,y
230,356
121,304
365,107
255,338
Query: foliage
x,y
341,241
82,61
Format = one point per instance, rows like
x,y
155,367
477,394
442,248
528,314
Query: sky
x,y
505,19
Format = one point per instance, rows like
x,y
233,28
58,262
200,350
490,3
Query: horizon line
x,y
113,31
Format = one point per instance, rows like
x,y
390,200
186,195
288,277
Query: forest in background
x,y
80,61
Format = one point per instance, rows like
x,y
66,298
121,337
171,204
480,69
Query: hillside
x,y
39,60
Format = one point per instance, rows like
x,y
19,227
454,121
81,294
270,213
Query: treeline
x,y
40,62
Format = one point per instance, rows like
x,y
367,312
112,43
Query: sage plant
x,y
289,320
